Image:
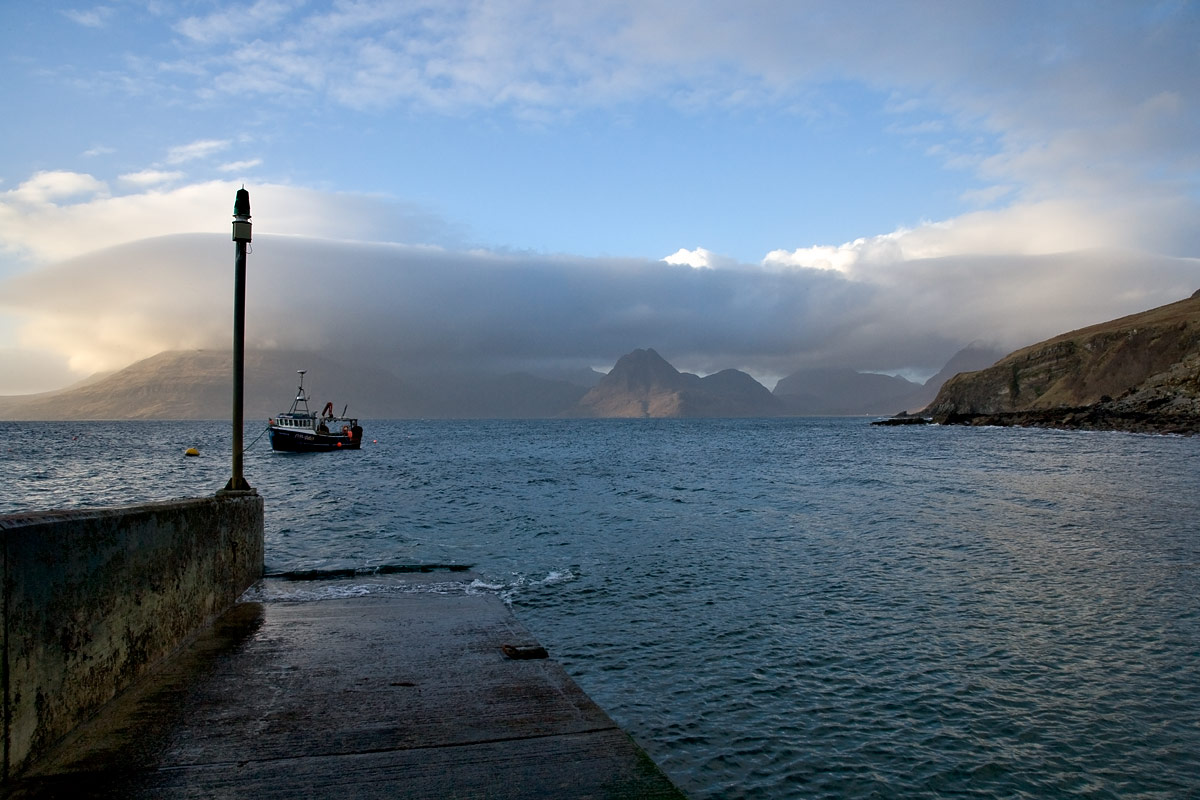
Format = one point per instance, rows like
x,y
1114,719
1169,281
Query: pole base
x,y
236,486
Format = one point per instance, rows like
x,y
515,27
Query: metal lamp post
x,y
241,235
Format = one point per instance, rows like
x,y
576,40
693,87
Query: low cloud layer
x,y
1076,132
412,307
59,215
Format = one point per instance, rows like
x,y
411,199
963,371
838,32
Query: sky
x,y
765,185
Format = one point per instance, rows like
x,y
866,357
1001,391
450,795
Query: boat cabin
x,y
288,421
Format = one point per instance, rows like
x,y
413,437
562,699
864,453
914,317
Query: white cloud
x,y
236,22
61,215
1027,229
240,166
845,258
96,17
196,150
700,258
987,196
45,188
151,177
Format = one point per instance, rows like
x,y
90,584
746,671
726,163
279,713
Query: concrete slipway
x,y
406,691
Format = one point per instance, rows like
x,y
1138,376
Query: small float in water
x,y
299,430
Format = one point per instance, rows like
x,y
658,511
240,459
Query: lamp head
x,y
241,216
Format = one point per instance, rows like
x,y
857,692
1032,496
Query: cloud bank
x,y
427,308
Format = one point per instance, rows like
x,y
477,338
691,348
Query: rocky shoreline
x,y
1086,418
1080,418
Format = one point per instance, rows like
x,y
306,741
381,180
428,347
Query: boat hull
x,y
288,440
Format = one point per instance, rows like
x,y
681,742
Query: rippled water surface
x,y
773,608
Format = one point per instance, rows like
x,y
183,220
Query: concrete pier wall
x,y
93,598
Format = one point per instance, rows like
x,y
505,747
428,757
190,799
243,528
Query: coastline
x,y
1082,418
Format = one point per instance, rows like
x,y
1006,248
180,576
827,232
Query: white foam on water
x,y
556,576
520,582
277,591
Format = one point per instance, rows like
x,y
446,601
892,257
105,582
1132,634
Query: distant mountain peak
x,y
644,384
643,368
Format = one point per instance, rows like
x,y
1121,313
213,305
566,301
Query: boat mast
x,y
300,398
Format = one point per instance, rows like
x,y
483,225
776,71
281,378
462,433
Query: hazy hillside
x,y
833,392
196,384
511,396
971,358
826,391
643,384
1137,372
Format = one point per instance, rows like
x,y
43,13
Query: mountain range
x,y
1140,372
840,392
643,384
196,385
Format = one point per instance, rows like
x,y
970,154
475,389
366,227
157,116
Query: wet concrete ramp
x,y
402,692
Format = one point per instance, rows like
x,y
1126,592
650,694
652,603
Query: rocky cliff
x,y
1140,372
643,384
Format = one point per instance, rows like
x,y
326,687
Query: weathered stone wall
x,y
93,598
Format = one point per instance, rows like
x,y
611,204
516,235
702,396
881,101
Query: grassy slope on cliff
x,y
1141,368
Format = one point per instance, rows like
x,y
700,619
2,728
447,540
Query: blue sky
x,y
867,184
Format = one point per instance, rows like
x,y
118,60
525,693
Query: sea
x,y
774,608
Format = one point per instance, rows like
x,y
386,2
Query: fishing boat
x,y
299,430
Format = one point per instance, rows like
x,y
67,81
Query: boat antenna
x,y
300,398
